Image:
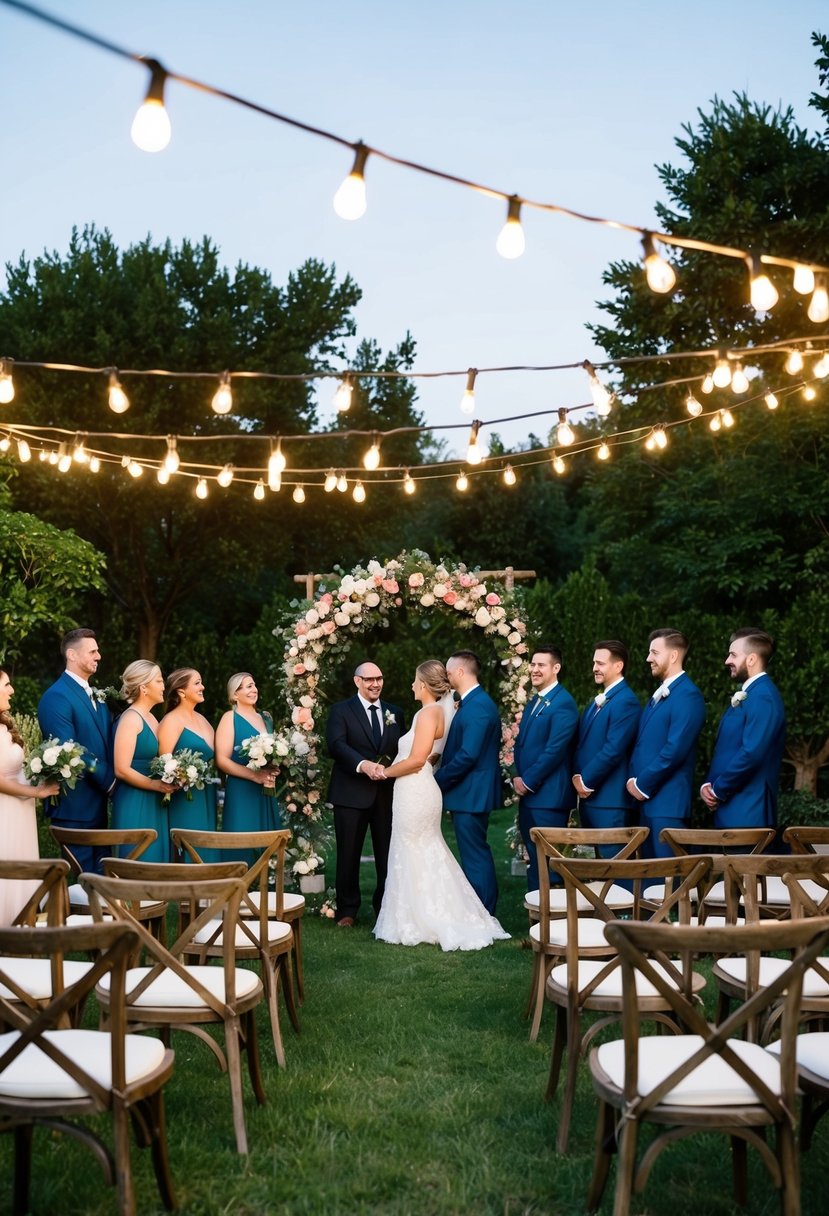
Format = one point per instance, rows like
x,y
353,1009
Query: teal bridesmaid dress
x,y
135,808
199,813
247,807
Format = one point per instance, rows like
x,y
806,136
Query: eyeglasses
x,y
370,679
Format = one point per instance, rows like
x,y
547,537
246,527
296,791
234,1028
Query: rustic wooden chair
x,y
51,1075
587,978
807,839
168,994
260,935
705,1078
131,843
716,843
546,946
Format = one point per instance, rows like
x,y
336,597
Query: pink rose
x,y
398,601
328,626
299,669
301,627
466,580
378,580
450,597
291,807
390,585
416,579
327,598
301,716
492,598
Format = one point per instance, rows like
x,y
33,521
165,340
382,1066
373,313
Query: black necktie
x,y
375,726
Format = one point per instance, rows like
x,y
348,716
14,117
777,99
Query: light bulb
x,y
564,432
94,464
371,460
762,291
602,398
342,397
79,453
151,129
510,243
804,280
342,482
64,459
660,275
707,385
739,381
24,452
42,455
298,494
276,466
330,481
118,400
722,373
201,488
259,492
53,457
171,460
604,452
162,475
509,476
559,465
225,477
794,362
818,310
135,469
5,443
727,419
473,451
715,423
280,462
359,492
771,401
468,398
462,483
693,406
408,483
6,382
350,199
809,392
821,366
222,402
660,439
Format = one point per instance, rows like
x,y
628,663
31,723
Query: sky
x,y
568,103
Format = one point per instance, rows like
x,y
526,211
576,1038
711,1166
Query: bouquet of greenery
x,y
185,769
52,760
266,752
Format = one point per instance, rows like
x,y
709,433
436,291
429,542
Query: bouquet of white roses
x,y
52,760
186,769
265,751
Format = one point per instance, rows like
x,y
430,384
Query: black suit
x,y
359,802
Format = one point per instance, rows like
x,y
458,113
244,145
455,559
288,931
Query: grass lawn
x,y
412,1089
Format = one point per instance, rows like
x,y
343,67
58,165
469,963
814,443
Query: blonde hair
x,y
134,675
433,674
234,684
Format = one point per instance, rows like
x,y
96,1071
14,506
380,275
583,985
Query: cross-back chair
x,y
706,1078
51,1075
802,839
130,844
169,994
587,978
260,934
546,946
716,843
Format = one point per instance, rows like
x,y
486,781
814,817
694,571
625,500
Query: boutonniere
x,y
600,699
102,695
738,698
389,718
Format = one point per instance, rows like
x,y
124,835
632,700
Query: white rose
x,y
460,605
341,618
65,770
300,867
310,662
318,647
50,756
520,695
302,748
302,842
192,772
307,702
517,661
353,608
374,567
75,761
372,599
514,638
347,585
312,616
36,764
440,589
313,862
497,612
282,748
323,608
503,629
293,652
302,641
427,600
482,618
360,586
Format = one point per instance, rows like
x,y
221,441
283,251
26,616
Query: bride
x,y
427,897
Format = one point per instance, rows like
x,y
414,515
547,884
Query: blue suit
x,y
470,779
606,737
543,749
745,767
663,760
66,712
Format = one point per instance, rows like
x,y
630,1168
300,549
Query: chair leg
x,y
299,973
528,1007
559,1041
251,1042
158,1147
234,1070
605,1148
739,1170
22,1167
570,1078
789,1169
540,983
269,974
626,1167
288,988
123,1166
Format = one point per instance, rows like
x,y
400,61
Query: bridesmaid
x,y
247,807
183,726
136,802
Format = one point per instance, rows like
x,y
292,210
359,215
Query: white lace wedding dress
x,y
427,896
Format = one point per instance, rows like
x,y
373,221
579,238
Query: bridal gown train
x,y
427,897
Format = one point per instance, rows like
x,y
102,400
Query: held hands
x,y
375,771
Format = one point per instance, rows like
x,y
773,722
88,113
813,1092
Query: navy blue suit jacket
x,y
470,772
606,737
65,712
745,767
543,750
666,749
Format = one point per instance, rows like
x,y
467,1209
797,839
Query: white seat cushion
x,y
655,893
712,1083
610,986
778,893
590,932
716,922
812,1051
170,991
79,898
290,902
617,897
34,975
75,918
33,1075
770,968
278,930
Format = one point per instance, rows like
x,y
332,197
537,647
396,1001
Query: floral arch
x,y
351,604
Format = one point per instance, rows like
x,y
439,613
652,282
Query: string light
x,y
818,310
6,381
565,435
222,402
820,368
135,469
225,477
64,459
162,475
794,362
172,459
715,422
371,460
462,483
53,457
603,452
559,465
201,488
707,385
727,418
276,463
118,400
657,440
94,464
693,406
24,452
602,397
771,401
721,375
660,275
511,243
5,443
342,482
330,482
298,494
151,128
739,380
350,199
473,451
762,291
409,486
359,492
259,491
468,398
809,392
804,280
342,397
509,476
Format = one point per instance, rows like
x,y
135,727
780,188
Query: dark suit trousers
x,y
350,826
528,819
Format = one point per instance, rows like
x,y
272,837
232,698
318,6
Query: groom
x,y
469,774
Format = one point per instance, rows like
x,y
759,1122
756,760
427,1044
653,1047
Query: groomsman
x,y
360,731
543,750
607,731
741,786
470,774
665,751
70,710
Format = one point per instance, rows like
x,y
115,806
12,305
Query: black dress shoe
x,y
345,922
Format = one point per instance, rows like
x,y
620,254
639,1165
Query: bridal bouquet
x,y
52,760
186,769
266,751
